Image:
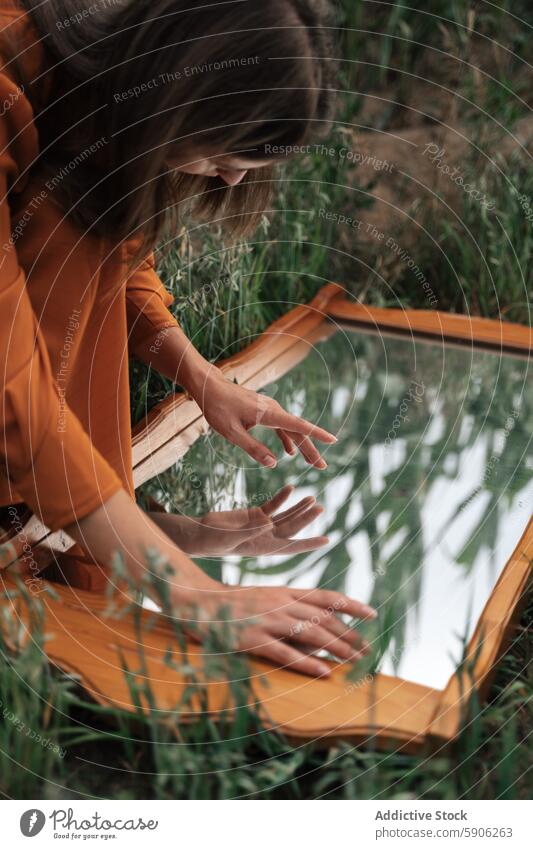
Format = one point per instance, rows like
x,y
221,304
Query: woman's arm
x,y
156,338
280,624
120,525
45,452
231,410
170,352
249,531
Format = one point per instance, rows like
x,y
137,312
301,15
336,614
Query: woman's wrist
x,y
185,365
177,358
120,525
198,376
184,531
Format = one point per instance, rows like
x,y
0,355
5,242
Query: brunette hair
x,y
141,79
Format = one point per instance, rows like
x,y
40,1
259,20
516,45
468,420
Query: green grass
x,y
477,262
480,262
105,753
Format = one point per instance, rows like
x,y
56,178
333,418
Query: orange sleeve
x,y
44,450
147,303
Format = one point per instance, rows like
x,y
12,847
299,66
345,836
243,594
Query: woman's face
x,y
231,168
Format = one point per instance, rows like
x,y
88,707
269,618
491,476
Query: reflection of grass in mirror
x,y
355,386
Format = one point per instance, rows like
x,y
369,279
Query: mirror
x,y
426,493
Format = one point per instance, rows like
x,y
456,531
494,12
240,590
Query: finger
x,y
277,500
330,622
309,451
319,638
296,509
286,441
276,417
288,657
257,450
338,601
294,524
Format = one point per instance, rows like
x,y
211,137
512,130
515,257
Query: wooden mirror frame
x,y
388,710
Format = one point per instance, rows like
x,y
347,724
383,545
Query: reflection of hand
x,y
248,532
233,410
281,624
284,625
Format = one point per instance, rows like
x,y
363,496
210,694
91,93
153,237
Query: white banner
x,y
266,825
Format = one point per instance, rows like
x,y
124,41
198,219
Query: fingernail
x,y
270,461
370,612
322,669
321,464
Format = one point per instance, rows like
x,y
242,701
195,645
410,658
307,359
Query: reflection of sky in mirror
x,y
426,494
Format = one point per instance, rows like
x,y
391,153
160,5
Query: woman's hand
x,y
230,409
249,532
233,410
283,625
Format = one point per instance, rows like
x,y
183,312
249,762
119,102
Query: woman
x,y
114,117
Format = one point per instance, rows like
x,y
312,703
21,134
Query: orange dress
x,y
71,313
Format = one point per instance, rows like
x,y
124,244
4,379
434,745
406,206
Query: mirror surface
x,y
425,497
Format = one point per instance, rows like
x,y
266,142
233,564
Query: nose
x,y
232,178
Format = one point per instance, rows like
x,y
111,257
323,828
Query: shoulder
x,y
12,8
15,24
22,61
22,48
